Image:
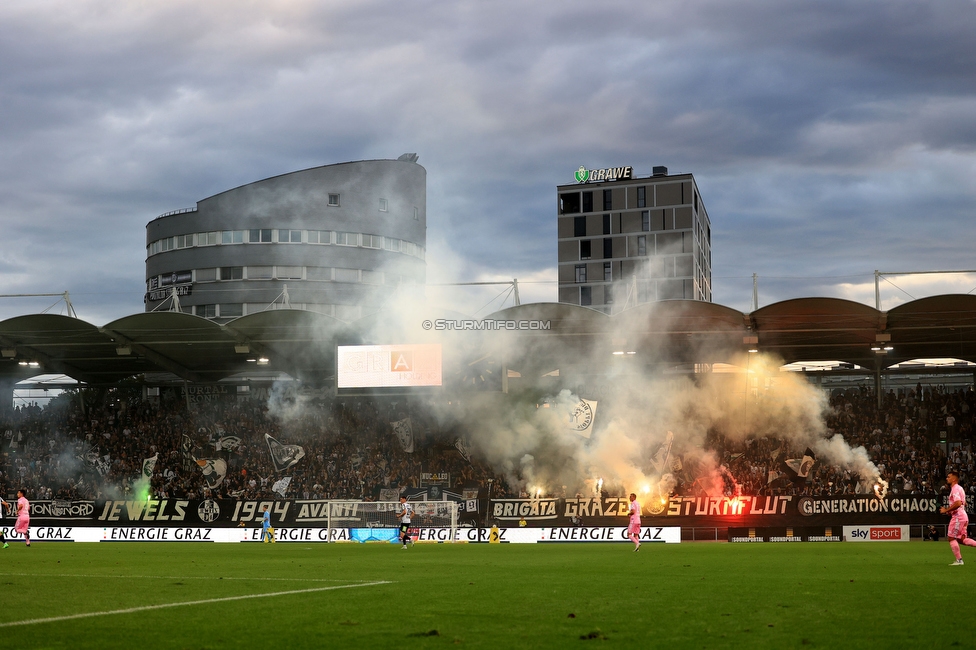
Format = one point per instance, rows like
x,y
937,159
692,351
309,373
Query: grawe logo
x,y
582,174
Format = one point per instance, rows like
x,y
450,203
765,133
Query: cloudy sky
x,y
829,139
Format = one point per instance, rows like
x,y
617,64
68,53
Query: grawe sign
x,y
584,175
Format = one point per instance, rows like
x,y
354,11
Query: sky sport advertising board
x,y
388,366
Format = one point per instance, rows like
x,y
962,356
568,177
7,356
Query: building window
x,y
347,238
569,203
334,200
607,248
259,236
586,296
207,311
607,271
372,277
288,272
587,202
232,273
231,310
372,241
608,199
608,294
391,244
416,214
646,220
384,205
642,197
289,236
319,273
206,239
579,226
606,224
259,273
319,236
580,273
205,275
347,275
642,245
585,253
232,237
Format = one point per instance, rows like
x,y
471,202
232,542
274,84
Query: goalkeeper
x,y
406,510
267,532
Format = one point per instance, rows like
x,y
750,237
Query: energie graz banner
x,y
586,511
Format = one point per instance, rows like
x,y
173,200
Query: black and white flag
x,y
283,456
228,443
186,448
403,430
463,449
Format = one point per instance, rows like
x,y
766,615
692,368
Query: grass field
x,y
697,595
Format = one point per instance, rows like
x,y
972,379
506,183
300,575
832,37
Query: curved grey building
x,y
338,239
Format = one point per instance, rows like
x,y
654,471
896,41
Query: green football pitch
x,y
697,595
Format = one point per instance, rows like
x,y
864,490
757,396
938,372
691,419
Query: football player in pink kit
x,y
633,531
23,515
959,523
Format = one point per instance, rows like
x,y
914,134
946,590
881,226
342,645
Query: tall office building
x,y
625,240
338,239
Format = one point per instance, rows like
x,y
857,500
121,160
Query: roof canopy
x,y
302,343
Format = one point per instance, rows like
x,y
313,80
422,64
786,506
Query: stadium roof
x,y
302,343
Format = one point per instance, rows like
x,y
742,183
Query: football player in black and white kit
x,y
406,510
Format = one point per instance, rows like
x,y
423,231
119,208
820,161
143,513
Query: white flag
x,y
281,485
581,417
403,430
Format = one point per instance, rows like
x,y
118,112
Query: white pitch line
x,y
146,608
96,575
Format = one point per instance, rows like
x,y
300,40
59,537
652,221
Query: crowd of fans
x,y
93,446
76,450
904,440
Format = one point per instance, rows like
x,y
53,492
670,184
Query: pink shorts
x,y
23,523
957,527
633,529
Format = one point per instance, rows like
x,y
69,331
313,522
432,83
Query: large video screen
x,y
388,366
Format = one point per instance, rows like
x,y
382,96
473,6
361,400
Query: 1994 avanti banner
x,y
587,511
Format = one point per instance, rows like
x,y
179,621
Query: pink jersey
x,y
23,516
635,512
958,494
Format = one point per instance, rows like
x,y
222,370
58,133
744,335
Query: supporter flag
x,y
148,466
186,447
403,430
663,455
463,449
676,465
283,456
582,416
806,463
389,494
281,485
214,470
228,443
773,476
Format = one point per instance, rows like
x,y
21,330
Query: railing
x,y
172,212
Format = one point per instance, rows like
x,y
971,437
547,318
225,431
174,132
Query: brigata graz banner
x,y
692,511
725,511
